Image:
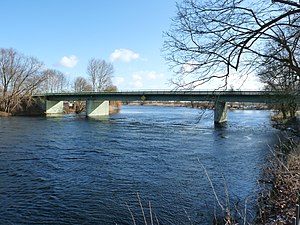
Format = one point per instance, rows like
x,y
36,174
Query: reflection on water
x,y
73,170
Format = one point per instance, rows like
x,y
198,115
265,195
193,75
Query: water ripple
x,y
73,170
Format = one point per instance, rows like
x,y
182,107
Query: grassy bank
x,y
280,186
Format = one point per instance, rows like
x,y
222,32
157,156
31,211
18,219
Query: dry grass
x,y
150,219
280,190
230,212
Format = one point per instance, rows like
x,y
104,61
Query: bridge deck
x,y
224,96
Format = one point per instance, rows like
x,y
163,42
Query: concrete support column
x,y
97,108
220,114
54,107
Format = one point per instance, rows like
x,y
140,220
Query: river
x,y
73,170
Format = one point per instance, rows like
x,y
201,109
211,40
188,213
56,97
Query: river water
x,y
73,170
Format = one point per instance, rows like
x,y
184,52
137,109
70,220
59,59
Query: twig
x,y
279,161
132,217
151,218
141,206
212,186
245,217
156,219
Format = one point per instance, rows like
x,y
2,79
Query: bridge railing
x,y
162,92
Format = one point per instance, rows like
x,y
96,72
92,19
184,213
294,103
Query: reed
x,y
150,218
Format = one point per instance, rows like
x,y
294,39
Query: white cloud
x,y
118,80
152,75
235,81
149,79
124,55
148,75
69,62
136,76
137,81
189,66
247,82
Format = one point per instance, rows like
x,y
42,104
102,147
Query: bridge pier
x,y
220,112
97,108
54,107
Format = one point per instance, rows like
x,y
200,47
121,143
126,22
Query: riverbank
x,y
280,186
4,114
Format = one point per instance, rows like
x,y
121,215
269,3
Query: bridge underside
x,y
54,107
97,102
101,108
93,108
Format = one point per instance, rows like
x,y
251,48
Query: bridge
x,y
97,103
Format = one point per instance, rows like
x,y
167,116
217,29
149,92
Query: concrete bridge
x,y
97,103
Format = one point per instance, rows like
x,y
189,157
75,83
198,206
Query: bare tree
x,y
276,74
214,38
100,73
55,81
20,77
279,77
81,84
112,88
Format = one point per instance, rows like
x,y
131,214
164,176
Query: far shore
x,y
201,105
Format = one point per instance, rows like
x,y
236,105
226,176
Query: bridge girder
x,y
211,96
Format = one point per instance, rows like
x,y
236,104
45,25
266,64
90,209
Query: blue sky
x,y
65,34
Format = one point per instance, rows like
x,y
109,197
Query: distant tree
x,y
54,82
20,76
111,88
81,84
100,73
214,38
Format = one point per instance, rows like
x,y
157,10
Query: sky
x,y
66,34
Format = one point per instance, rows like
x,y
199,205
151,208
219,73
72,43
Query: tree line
x,y
22,76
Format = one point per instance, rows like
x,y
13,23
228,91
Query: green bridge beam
x,y
224,96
